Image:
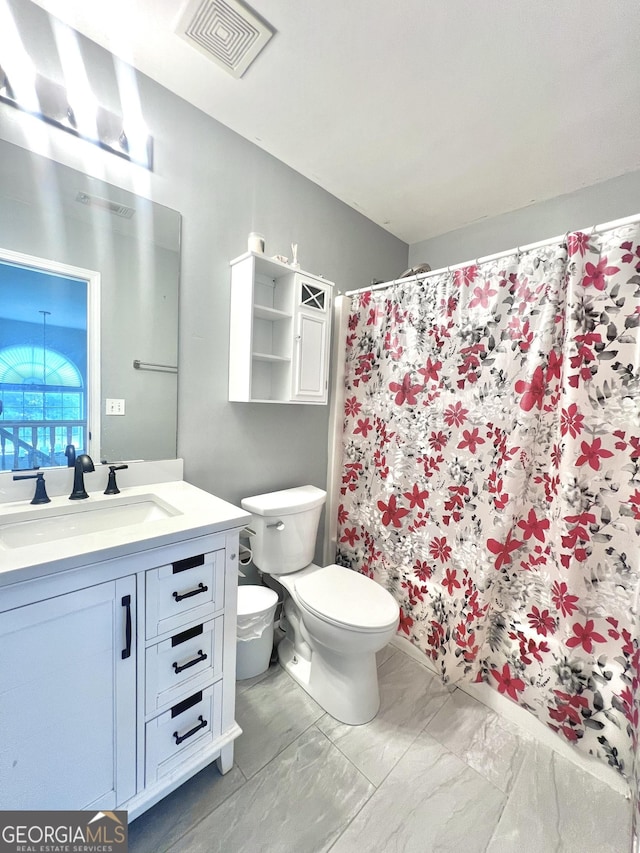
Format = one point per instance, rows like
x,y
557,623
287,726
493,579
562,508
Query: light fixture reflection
x,y
90,122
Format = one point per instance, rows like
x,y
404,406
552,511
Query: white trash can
x,y
256,609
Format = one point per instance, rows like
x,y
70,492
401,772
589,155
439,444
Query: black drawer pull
x,y
126,603
180,738
193,662
201,588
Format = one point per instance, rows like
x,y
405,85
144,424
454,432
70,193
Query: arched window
x,y
42,407
28,365
49,361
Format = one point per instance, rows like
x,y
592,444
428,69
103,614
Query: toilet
x,y
335,618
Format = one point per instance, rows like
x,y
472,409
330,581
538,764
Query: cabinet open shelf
x,y
263,312
265,356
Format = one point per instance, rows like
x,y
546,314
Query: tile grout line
x,y
508,796
192,826
247,779
346,757
391,769
505,797
367,800
279,752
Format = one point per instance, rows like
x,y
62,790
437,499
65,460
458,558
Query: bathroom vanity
x,y
117,646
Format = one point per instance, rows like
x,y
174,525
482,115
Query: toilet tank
x,y
285,525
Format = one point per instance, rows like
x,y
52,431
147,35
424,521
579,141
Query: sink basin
x,y
40,526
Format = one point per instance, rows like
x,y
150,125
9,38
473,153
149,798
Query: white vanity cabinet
x,y
68,700
280,328
117,674
184,660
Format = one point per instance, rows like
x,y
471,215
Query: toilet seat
x,y
346,598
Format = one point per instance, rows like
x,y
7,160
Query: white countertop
x,y
199,514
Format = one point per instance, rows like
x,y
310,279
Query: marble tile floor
x,y
435,771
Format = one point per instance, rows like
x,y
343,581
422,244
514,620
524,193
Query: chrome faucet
x,y
83,465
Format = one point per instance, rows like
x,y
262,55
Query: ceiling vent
x,y
104,204
227,31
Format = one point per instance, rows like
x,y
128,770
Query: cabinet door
x,y
311,353
68,700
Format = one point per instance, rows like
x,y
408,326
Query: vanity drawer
x,y
184,592
188,660
183,730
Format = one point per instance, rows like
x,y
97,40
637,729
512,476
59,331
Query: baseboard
x,y
530,725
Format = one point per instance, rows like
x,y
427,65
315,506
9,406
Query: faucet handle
x,y
40,496
112,486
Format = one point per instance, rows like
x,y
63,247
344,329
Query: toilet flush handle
x,y
279,525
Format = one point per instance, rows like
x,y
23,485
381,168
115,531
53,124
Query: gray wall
x,y
589,206
224,187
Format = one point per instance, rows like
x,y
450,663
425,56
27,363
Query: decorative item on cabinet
x,y
255,242
279,332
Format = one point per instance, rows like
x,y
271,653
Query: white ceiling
x,y
425,115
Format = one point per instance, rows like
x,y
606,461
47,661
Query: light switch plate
x,y
114,407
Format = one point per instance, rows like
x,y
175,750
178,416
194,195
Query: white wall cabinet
x,y
117,679
280,329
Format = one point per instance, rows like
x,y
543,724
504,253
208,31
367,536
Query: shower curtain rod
x,y
605,226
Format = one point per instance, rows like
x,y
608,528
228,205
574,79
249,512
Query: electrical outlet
x,y
114,407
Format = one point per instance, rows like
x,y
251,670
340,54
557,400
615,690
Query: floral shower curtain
x,y
491,476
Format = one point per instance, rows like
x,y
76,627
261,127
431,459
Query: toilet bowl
x,y
335,619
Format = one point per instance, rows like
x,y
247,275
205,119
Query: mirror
x,y
53,212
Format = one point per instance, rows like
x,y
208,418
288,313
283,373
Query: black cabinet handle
x,y
201,588
178,668
180,738
126,602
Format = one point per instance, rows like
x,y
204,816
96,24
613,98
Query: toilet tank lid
x,y
286,501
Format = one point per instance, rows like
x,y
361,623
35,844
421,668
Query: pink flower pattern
x,y
491,476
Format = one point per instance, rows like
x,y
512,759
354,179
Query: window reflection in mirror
x,y
44,366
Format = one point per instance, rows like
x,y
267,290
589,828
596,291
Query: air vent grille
x,y
104,204
227,31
